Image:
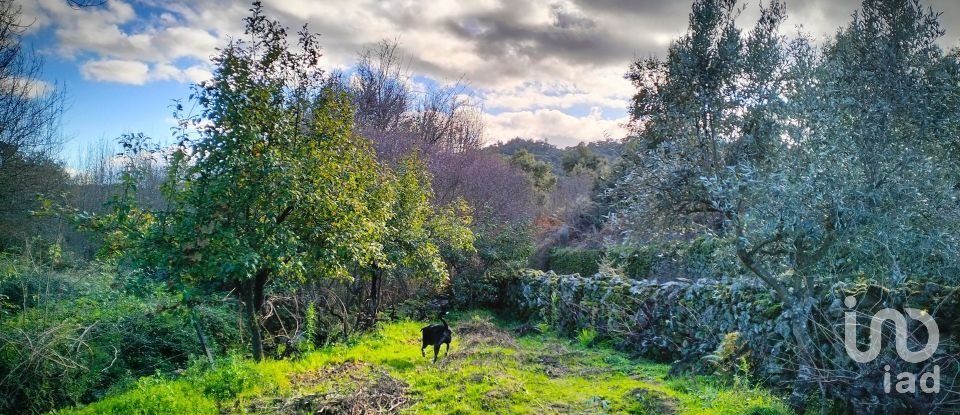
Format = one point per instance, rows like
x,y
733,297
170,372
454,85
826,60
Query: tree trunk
x,y
800,315
253,317
259,285
375,282
200,336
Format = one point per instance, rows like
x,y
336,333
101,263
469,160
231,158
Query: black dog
x,y
436,335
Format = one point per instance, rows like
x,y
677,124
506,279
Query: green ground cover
x,y
489,369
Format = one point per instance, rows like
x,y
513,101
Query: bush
x,y
68,337
701,257
229,379
486,279
581,261
636,261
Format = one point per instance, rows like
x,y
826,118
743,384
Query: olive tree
x,y
822,164
687,117
854,186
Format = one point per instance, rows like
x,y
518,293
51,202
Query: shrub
x,y
83,333
581,261
636,261
228,380
486,279
701,257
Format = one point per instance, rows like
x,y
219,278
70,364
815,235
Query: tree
x,y
885,81
685,114
692,117
30,112
269,181
445,120
495,191
380,90
417,234
818,164
400,120
539,172
580,159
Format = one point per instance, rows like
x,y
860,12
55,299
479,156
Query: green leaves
x,y
273,176
418,235
711,104
539,172
785,144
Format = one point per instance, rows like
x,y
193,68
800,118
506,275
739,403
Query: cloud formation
x,y
557,127
116,70
530,61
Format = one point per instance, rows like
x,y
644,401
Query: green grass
x,y
489,370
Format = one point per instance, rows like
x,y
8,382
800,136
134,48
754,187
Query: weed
x,y
586,337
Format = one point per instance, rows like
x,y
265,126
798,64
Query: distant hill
x,y
608,149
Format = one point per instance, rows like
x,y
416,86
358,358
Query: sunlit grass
x,y
488,370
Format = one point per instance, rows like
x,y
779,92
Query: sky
x,y
550,69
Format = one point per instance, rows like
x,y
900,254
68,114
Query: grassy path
x,y
488,371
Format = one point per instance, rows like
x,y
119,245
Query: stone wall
x,y
735,324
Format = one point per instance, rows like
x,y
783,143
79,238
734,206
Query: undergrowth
x,y
488,370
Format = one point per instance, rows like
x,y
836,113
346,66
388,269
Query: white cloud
x,y
115,31
120,71
555,126
38,88
533,59
127,48
165,72
536,95
139,73
197,74
174,41
30,88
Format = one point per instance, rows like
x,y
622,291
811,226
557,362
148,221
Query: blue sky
x,y
105,110
547,69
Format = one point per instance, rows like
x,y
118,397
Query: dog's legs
x,y
423,346
436,351
448,347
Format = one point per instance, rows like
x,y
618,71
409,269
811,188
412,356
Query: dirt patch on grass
x,y
654,402
551,365
482,331
559,361
350,388
481,342
327,373
478,377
